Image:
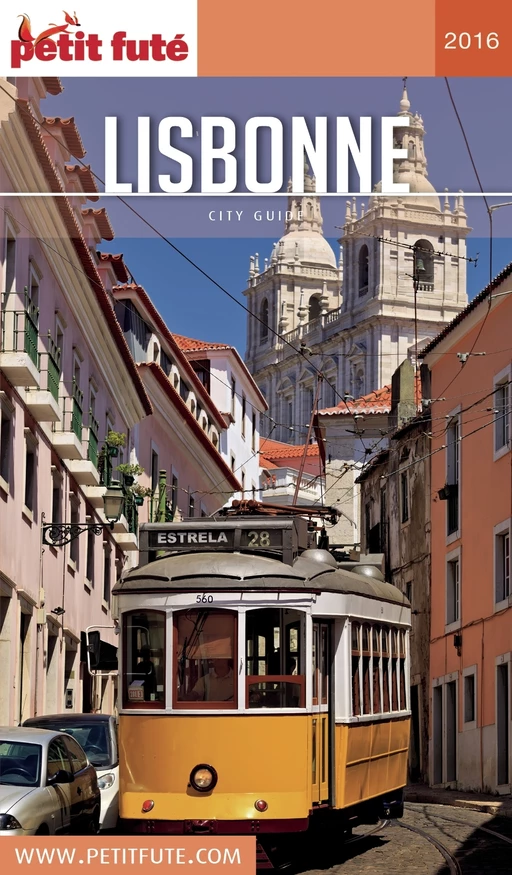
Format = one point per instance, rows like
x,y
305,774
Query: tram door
x,y
320,716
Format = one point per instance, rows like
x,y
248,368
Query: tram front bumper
x,y
392,806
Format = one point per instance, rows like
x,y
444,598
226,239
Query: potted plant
x,y
140,493
130,472
113,441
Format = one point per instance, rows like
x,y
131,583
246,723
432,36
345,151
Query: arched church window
x,y
411,150
424,264
315,308
359,383
310,210
264,320
363,269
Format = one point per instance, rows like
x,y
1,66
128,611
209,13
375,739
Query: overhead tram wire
x,y
183,255
489,214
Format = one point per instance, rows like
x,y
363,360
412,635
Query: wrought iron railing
x,y
20,326
54,367
77,413
92,450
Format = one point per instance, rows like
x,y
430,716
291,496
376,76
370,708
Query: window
x,y
30,469
242,482
404,496
233,397
76,755
452,591
274,659
363,269
15,756
502,415
424,265
469,698
6,438
385,670
233,462
204,658
244,413
367,704
314,308
58,759
452,476
154,470
356,653
253,438
74,547
191,506
174,494
107,569
264,320
89,573
144,659
56,497
376,654
502,562
10,264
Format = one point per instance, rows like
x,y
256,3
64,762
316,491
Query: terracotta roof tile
x,y
86,177
375,402
188,344
102,220
266,463
120,269
274,450
72,138
53,84
33,129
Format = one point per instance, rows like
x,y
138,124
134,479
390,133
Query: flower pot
x,y
129,479
139,500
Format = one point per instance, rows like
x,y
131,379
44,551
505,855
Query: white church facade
x,y
399,278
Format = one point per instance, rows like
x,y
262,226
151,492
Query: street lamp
x,y
58,534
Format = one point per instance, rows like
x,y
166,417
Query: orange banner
x,y
473,38
325,38
144,854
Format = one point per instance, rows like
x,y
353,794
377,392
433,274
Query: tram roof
x,y
227,571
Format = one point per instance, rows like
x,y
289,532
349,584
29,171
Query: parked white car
x,y
97,734
47,785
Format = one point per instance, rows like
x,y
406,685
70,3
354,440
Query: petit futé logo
x,y
57,42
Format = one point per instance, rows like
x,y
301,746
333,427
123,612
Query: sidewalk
x,y
496,805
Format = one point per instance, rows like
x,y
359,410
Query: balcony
x,y
126,529
44,403
85,471
279,487
67,435
19,356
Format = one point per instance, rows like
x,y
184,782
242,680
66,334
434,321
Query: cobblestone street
x,y
468,843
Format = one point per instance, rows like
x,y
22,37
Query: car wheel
x,y
92,825
43,830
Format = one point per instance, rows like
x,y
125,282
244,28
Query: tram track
x,y
491,832
453,864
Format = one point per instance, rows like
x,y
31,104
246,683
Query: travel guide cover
x,y
249,261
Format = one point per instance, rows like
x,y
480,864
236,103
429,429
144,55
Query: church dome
x,y
417,183
309,247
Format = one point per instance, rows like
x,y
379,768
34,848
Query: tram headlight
x,y
203,778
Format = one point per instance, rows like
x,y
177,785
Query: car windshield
x,y
94,738
20,763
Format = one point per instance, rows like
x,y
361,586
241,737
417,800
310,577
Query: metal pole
x,y
310,428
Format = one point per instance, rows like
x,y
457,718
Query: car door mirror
x,y
62,777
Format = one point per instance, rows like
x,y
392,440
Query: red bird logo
x,y
25,33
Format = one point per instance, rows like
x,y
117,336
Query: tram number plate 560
x,y
203,599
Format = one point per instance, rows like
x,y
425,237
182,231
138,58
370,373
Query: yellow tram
x,y
262,686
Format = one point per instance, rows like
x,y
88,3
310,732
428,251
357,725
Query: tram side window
x,y
403,692
144,662
274,653
356,658
394,670
376,658
385,670
204,659
367,705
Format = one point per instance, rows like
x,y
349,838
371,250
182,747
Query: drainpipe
x,y
40,603
162,498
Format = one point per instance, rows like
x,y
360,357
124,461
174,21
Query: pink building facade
x,y
71,371
470,371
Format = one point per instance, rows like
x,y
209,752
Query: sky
x,y
189,302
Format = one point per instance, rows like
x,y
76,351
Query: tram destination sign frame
x,y
285,538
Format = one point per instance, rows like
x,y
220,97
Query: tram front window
x,y
274,658
204,658
144,676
